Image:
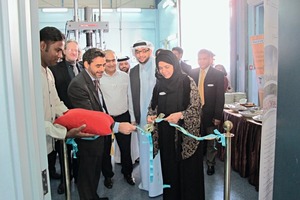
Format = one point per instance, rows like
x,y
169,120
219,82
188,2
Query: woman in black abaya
x,y
176,95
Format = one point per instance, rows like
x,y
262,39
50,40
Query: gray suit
x,y
93,155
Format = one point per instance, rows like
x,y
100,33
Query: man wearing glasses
x,y
142,81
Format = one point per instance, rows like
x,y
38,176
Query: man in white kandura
x,y
142,81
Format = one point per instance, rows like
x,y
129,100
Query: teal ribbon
x,y
217,135
74,146
150,127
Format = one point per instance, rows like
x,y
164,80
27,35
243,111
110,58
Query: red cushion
x,y
98,123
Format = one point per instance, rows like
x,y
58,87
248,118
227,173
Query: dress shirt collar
x,y
114,74
91,75
206,69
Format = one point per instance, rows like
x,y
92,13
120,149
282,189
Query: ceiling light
x,y
104,10
129,10
54,10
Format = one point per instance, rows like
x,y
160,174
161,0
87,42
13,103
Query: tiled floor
x,y
214,186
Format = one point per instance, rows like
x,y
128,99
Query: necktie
x,y
97,85
102,103
201,86
71,72
103,106
75,69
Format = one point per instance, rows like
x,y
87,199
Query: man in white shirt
x,y
51,47
114,86
63,73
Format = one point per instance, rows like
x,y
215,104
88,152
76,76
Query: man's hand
x,y
76,132
126,128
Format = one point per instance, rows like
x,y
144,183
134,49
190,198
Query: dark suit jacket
x,y
213,94
135,91
62,80
82,94
186,68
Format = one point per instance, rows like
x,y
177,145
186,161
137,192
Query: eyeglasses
x,y
142,51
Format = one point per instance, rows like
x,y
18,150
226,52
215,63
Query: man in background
x,y
123,64
178,51
210,82
114,87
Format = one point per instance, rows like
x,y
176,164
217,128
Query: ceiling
x,y
96,3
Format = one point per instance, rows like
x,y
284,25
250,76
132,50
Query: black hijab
x,y
171,95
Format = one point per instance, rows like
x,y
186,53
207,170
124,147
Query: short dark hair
x,y
207,52
51,34
178,49
92,53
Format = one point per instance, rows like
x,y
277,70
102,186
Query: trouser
x,y
72,162
107,170
88,176
52,157
52,162
209,146
124,142
90,158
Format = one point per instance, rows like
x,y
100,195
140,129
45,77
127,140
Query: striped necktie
x,y
98,90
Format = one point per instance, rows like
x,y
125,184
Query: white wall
x,y
23,143
205,26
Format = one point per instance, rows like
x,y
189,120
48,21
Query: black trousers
x,y
52,162
90,157
72,162
107,169
124,142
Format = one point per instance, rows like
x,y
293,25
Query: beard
x,y
125,69
144,61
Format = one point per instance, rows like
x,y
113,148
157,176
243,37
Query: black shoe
x,y
129,179
108,183
104,198
54,175
61,188
210,170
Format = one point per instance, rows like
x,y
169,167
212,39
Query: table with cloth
x,y
245,149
